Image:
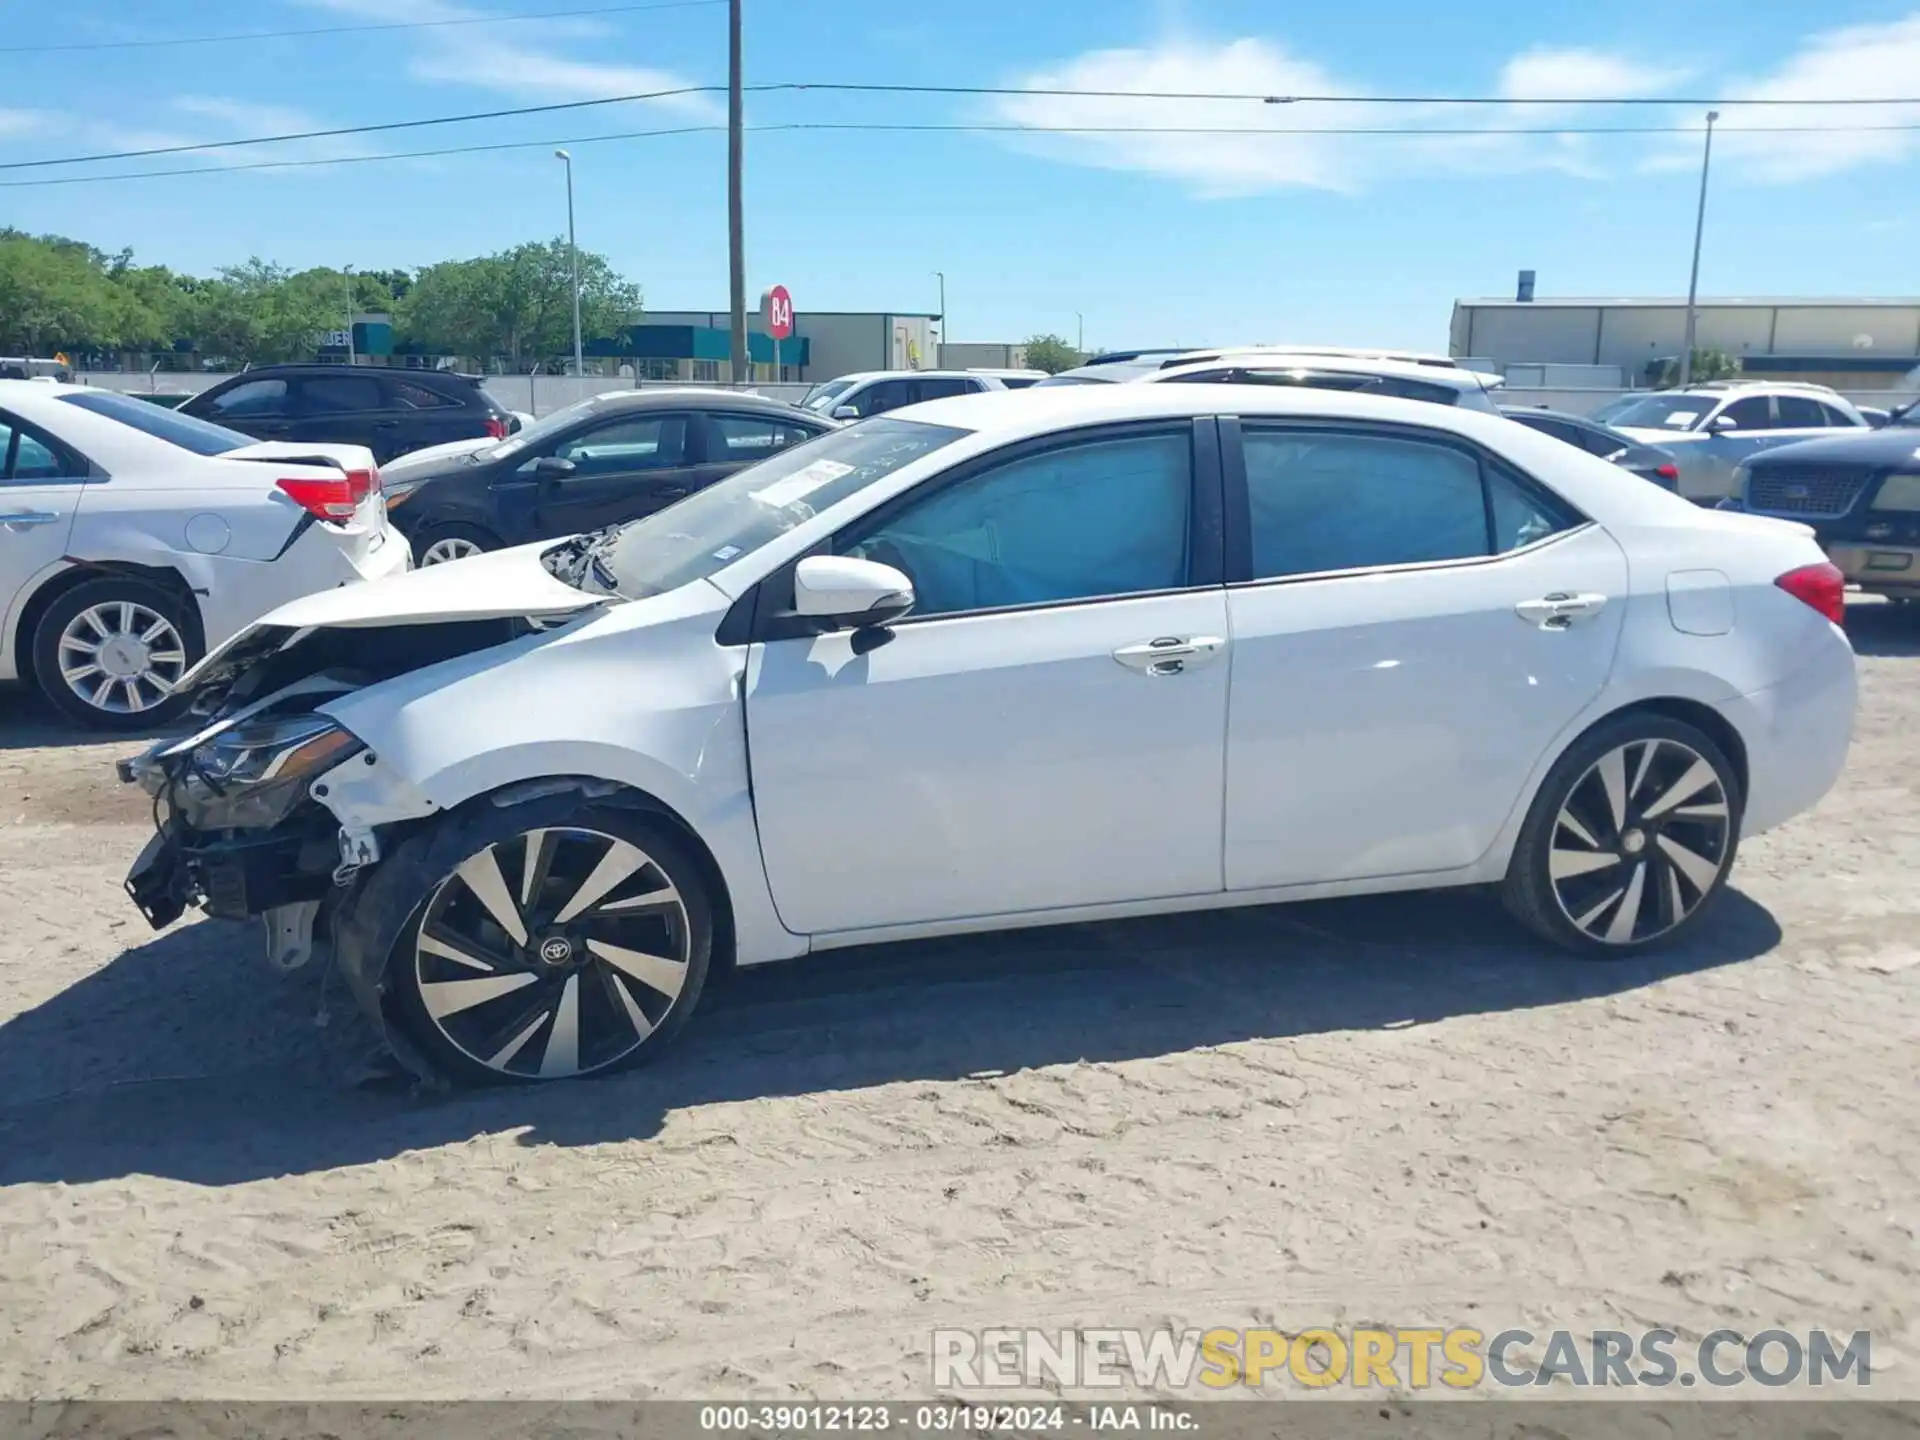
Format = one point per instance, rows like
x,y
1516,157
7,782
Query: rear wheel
x,y
551,941
1632,833
441,544
110,651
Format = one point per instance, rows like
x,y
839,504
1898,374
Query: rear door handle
x,y
1170,654
1560,609
21,519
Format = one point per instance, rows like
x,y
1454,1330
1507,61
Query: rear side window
x,y
1322,502
338,394
1801,412
249,397
410,396
27,458
754,437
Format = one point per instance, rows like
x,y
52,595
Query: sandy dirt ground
x,y
1379,1111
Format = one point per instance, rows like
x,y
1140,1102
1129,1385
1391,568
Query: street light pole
x,y
736,222
573,260
941,276
1080,332
1693,284
347,275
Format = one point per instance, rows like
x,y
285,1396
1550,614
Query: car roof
x,y
667,398
1331,363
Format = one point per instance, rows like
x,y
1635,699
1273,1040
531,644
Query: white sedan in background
x,y
1008,659
133,537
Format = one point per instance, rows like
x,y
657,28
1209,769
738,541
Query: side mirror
x,y
1722,423
553,467
846,412
861,593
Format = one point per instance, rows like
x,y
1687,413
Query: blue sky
x,y
1155,239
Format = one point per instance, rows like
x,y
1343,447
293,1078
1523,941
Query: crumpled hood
x,y
502,585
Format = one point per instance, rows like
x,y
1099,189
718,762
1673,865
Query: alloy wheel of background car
x,y
452,547
559,951
111,651
1633,832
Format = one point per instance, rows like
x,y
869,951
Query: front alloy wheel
x,y
557,951
1632,834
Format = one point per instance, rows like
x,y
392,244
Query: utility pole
x,y
736,223
1693,284
573,259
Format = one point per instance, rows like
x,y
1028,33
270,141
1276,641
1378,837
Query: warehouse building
x,y
696,345
1850,344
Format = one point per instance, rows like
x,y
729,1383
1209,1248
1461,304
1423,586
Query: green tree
x,y
56,295
1051,354
1708,364
517,304
260,312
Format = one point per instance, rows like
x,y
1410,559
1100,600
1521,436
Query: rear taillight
x,y
1822,586
364,482
496,427
1668,471
330,499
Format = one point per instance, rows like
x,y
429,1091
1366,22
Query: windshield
x,y
716,526
1076,380
822,396
540,429
202,437
1657,412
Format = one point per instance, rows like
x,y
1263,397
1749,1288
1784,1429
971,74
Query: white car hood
x,y
504,585
500,584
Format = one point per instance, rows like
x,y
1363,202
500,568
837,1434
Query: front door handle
x,y
1560,609
671,492
21,519
1170,654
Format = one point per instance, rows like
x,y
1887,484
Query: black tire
x,y
616,997
452,533
1670,837
93,696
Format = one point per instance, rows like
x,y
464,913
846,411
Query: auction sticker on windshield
x,y
802,483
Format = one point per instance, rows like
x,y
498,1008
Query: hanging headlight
x,y
250,776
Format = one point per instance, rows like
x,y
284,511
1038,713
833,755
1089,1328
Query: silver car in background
x,y
1710,429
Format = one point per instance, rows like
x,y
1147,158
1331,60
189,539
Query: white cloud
x,y
1858,62
1215,164
517,60
1575,74
20,122
1320,156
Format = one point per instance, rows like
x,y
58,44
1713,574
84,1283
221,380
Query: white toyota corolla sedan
x,y
1009,659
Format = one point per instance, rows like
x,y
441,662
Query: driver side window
x,y
650,442
1078,522
1753,413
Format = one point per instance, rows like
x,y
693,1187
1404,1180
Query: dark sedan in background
x,y
1860,493
390,411
612,458
1649,462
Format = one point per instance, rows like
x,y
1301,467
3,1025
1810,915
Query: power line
x,y
976,90
791,126
351,29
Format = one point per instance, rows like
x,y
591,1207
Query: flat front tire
x,y
1629,839
549,940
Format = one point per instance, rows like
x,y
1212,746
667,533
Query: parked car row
x,y
879,685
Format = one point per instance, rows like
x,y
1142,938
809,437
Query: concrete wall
x,y
977,355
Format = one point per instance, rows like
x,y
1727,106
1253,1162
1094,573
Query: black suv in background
x,y
389,411
1859,492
